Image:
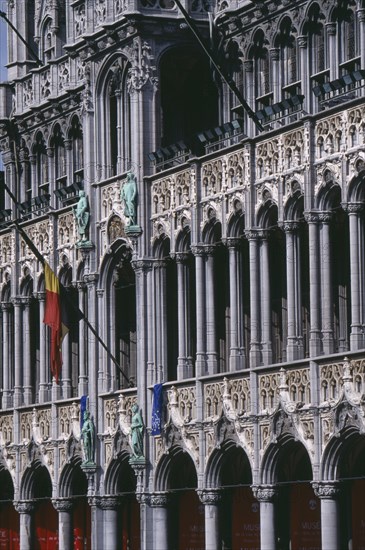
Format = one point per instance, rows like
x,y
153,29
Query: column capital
x,y
326,489
198,250
17,301
353,207
209,496
6,306
331,29
302,41
232,242
41,296
142,265
62,504
248,65
108,502
289,226
181,257
325,217
24,506
264,493
274,54
159,500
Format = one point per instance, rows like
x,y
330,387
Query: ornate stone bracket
x,y
234,417
185,427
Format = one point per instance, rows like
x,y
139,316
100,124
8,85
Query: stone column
x,y
184,364
211,498
266,494
27,366
328,492
356,232
326,283
18,352
161,319
25,509
332,50
237,352
65,527
83,380
314,285
43,363
294,305
250,95
201,365
159,503
110,507
361,18
255,347
305,71
7,401
265,295
275,77
212,360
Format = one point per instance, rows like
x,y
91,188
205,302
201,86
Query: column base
x,y
201,365
357,340
18,397
43,396
66,388
315,344
212,363
237,360
294,349
83,386
184,368
7,400
28,395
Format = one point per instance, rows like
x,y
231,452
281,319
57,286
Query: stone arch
x,y
120,477
212,231
236,221
36,482
356,188
273,465
222,457
161,246
183,239
26,282
294,205
267,213
338,452
72,481
329,193
174,470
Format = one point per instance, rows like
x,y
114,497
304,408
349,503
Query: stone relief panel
x,y
330,382
7,250
66,230
6,429
69,420
355,127
328,136
42,236
292,149
213,399
162,195
299,385
212,177
267,159
236,170
79,19
269,391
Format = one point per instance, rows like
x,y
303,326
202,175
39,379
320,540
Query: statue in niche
x,y
88,438
137,433
82,216
128,195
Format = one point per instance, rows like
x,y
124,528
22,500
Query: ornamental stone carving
x,y
210,496
265,493
142,70
159,500
64,505
326,489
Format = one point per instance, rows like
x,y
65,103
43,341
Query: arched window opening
x,y
288,56
348,37
317,50
125,323
261,68
47,41
59,158
76,138
117,121
42,168
189,98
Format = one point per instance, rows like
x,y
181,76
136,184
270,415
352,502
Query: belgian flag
x,y
56,317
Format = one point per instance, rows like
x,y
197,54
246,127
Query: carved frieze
x,y
212,177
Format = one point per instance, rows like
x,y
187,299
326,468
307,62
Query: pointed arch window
x,y
59,158
261,68
288,55
317,47
117,121
76,138
42,168
348,36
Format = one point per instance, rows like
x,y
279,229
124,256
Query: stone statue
x,y
128,195
82,216
88,438
137,432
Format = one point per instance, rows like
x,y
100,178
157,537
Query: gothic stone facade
x,y
240,284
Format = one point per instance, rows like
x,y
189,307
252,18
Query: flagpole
x,y
80,313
